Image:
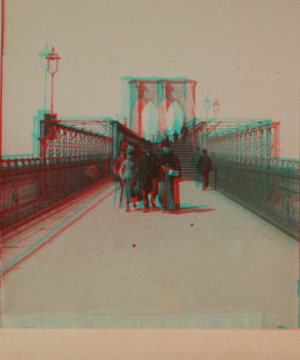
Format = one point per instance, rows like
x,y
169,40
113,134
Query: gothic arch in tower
x,y
162,93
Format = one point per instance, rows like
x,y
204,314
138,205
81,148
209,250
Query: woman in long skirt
x,y
169,163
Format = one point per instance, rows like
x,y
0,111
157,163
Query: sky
x,y
244,53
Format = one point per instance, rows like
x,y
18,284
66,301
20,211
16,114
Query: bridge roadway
x,y
88,264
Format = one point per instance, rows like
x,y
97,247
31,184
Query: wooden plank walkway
x,y
213,264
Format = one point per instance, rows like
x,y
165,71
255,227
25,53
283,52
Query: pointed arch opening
x,y
149,121
170,117
174,118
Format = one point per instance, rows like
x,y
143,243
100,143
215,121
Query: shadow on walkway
x,y
189,210
184,209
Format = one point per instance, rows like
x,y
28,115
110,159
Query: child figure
x,y
127,173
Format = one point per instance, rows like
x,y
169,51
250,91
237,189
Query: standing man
x,y
166,141
184,132
205,165
194,163
160,179
144,179
175,136
153,175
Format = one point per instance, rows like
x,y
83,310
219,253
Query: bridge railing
x,y
29,189
71,159
271,188
238,137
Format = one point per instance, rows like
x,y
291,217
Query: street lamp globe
x,y
216,106
52,61
52,66
43,53
207,105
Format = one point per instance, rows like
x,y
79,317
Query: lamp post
x,y
216,106
44,65
207,105
52,65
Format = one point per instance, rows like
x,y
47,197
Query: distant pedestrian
x,y
205,165
175,136
184,132
194,163
166,141
159,137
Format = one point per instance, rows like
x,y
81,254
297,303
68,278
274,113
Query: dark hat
x,y
129,150
124,146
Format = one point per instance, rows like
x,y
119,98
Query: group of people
x,y
142,173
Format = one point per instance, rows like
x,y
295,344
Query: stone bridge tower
x,y
162,93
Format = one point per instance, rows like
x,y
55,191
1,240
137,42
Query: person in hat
x,y
205,165
127,174
175,136
151,168
197,154
184,132
166,141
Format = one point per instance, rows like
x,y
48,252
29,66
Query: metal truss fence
x,y
27,190
63,143
71,160
271,191
236,138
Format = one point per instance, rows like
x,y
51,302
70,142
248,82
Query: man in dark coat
x,y
184,132
175,136
160,179
194,164
166,141
205,165
153,175
143,178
